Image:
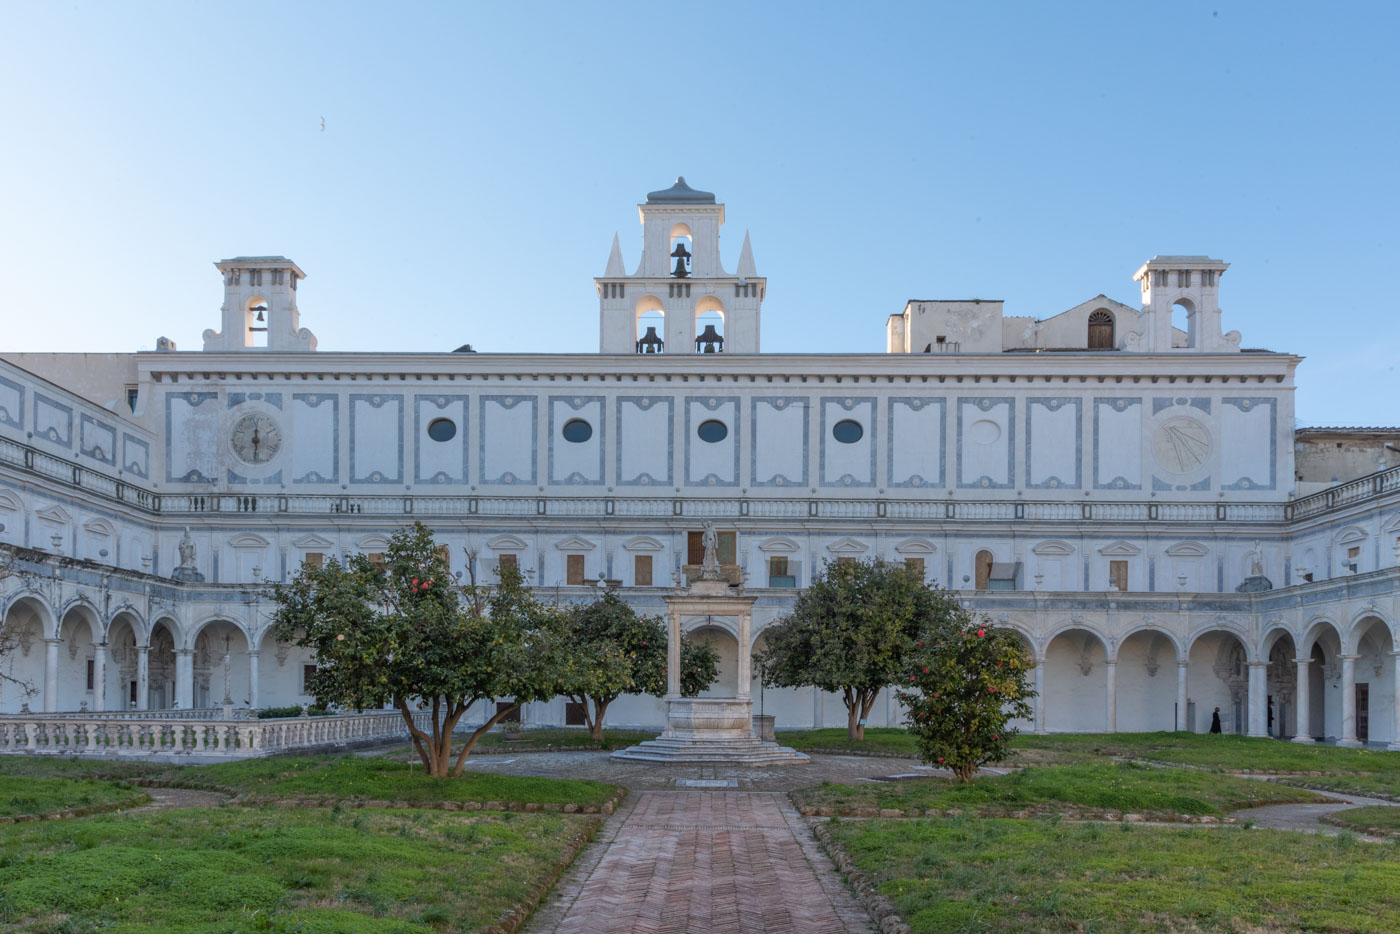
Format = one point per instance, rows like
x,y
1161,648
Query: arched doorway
x,y
1218,676
221,666
724,643
22,633
1146,682
1076,683
1280,684
160,659
1375,682
1322,716
122,688
77,660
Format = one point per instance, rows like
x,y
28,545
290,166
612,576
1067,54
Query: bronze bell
x,y
681,255
650,343
709,341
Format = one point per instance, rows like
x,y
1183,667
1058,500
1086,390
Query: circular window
x,y
712,431
984,431
442,429
577,430
847,431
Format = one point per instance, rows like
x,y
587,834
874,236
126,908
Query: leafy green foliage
x,y
614,652
406,633
274,713
850,633
966,681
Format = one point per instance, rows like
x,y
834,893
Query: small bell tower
x,y
260,306
1193,282
680,299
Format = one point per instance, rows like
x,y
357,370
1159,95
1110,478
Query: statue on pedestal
x,y
186,571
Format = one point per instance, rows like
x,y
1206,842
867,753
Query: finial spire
x,y
615,267
746,266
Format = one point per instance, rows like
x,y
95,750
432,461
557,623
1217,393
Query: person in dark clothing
x,y
1215,721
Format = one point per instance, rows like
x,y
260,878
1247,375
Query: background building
x,y
1120,484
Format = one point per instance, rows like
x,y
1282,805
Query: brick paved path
x,y
703,863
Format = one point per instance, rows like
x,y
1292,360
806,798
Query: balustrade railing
x,y
125,735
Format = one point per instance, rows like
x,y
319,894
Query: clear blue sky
x,y
477,159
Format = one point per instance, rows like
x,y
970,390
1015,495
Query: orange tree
x,y
964,682
617,652
850,633
404,632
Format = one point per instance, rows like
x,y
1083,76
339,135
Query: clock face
x,y
256,439
1181,444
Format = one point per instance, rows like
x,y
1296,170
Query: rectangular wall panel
x,y
1118,444
97,440
1054,434
576,462
508,447
376,438
437,461
1248,444
315,437
986,443
712,463
917,429
191,437
847,460
778,449
645,447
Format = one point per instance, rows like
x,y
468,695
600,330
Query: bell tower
x,y
1192,282
680,299
260,306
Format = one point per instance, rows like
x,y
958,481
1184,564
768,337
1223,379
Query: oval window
x,y
984,431
577,430
847,431
712,431
442,429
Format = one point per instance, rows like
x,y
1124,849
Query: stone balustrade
x,y
129,735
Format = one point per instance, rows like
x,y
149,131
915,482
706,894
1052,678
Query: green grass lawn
x,y
879,741
63,767
24,795
381,779
1204,750
1107,785
1040,876
249,869
553,737
1372,817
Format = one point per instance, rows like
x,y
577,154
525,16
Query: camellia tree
x,y
851,632
618,652
404,632
964,682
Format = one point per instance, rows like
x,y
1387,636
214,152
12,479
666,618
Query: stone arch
x,y
27,621
1375,680
126,632
281,671
1147,657
164,636
723,634
1218,676
1280,649
649,312
79,630
221,667
1075,682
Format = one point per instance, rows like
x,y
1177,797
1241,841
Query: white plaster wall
x,y
1118,445
508,439
441,461
313,438
848,464
572,462
1053,439
712,460
780,457
193,442
1246,442
1146,702
644,453
377,430
917,435
1075,701
984,443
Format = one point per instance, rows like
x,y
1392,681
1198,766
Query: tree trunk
x,y
855,730
595,725
476,735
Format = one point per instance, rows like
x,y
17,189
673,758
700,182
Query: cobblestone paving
x,y
718,862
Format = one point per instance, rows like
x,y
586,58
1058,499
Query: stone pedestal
x,y
710,729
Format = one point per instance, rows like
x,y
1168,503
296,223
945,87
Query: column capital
x,y
184,651
1348,658
1394,654
142,649
1302,661
1258,664
1183,663
54,641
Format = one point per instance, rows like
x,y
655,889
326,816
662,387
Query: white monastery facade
x,y
1120,490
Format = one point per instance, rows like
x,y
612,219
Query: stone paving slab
x,y
726,862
